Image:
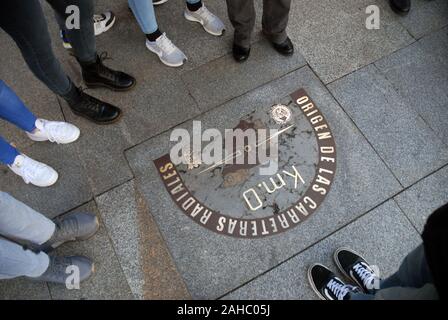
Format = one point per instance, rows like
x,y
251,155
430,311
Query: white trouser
x,y
20,222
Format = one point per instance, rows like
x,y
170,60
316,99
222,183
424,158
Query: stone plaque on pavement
x,y
238,199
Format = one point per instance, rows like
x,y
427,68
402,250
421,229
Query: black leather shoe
x,y
400,6
286,48
94,109
98,75
240,54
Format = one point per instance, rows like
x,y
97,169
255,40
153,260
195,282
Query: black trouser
x,y
25,22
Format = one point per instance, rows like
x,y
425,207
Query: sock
x,y
194,6
153,36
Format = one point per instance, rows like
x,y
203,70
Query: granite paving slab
x,y
212,264
224,79
23,289
425,17
383,237
333,38
420,74
401,137
420,200
146,262
108,281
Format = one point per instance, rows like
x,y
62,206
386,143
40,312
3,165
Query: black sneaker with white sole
x,y
356,268
327,286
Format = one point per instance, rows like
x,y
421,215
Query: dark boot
x,y
96,74
91,108
400,6
286,48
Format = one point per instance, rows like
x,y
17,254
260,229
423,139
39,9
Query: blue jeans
x,y
144,13
13,110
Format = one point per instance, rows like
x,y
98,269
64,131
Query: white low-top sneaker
x,y
158,2
34,172
211,23
54,131
167,52
103,22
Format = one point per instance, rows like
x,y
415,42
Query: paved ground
x,y
384,93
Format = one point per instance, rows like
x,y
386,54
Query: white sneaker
x,y
167,52
103,22
211,23
54,131
34,172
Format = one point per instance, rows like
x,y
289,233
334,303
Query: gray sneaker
x,y
71,227
60,269
210,22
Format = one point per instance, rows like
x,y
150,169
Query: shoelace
x,y
52,130
92,103
366,274
66,228
98,18
165,44
206,14
338,289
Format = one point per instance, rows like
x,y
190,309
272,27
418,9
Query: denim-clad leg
x,y
20,222
144,13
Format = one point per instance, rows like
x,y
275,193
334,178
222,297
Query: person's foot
x,y
167,52
94,109
96,74
54,131
158,2
240,54
400,6
286,48
327,286
59,269
71,227
210,22
101,23
34,172
356,268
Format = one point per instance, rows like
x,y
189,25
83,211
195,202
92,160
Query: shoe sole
x,y
94,85
193,19
164,62
45,139
310,280
338,264
99,122
108,27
